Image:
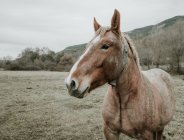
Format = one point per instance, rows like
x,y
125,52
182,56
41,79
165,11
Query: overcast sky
x,y
60,23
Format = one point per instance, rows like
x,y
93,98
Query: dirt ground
x,y
35,105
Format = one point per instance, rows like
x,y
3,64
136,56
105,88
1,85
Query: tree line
x,y
163,47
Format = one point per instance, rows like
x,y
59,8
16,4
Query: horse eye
x,y
105,47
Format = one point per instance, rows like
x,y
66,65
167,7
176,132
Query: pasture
x,y
36,105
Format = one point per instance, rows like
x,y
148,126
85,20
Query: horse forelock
x,y
98,34
103,30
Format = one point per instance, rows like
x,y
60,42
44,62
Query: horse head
x,y
102,60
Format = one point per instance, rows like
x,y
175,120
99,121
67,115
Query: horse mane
x,y
133,49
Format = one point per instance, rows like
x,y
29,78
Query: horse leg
x,y
110,134
147,135
159,135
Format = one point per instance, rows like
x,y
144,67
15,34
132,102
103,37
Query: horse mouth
x,y
84,93
79,94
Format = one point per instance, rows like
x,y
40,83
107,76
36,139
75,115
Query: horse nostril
x,y
72,84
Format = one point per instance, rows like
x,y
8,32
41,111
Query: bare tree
x,y
66,62
176,43
156,41
146,52
164,45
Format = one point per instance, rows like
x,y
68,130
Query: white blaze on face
x,y
69,78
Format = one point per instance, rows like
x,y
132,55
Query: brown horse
x,y
138,103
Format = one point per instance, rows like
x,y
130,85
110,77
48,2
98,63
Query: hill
x,y
146,39
151,43
145,31
75,50
134,34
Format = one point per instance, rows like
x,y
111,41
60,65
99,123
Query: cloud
x,y
58,24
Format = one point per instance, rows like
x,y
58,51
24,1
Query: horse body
x,y
140,112
138,103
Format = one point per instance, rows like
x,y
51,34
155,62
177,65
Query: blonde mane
x,y
133,49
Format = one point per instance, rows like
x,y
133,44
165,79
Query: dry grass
x,y
35,105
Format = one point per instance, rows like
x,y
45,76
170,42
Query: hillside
x,y
151,43
152,37
134,34
142,32
74,50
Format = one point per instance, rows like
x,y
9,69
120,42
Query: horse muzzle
x,y
75,90
77,93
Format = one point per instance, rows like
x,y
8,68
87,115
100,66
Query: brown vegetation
x,y
163,47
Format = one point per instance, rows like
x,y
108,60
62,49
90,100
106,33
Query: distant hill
x,y
134,34
75,50
142,32
151,43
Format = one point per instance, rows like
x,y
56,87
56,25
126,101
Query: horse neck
x,y
129,80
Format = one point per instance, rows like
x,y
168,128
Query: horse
x,y
138,103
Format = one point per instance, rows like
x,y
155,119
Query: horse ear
x,y
96,25
115,22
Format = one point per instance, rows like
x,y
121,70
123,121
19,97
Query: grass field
x,y
35,105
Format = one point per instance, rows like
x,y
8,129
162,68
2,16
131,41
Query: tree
x,y
145,52
157,44
66,62
176,43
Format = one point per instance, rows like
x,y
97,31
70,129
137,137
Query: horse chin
x,y
79,94
86,94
